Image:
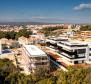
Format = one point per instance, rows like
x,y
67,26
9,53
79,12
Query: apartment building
x,y
70,52
38,58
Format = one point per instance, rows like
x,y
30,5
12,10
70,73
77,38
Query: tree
x,y
75,75
49,30
2,34
86,28
6,68
18,78
46,81
24,33
40,73
14,35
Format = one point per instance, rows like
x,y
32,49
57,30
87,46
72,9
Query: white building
x,y
73,52
38,58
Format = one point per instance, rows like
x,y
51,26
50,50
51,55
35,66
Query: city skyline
x,y
50,11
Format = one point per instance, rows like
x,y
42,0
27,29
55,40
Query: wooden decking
x,y
58,57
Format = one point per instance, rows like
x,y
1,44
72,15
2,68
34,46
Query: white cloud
x,y
83,6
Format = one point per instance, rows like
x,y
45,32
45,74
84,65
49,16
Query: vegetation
x,y
10,75
6,68
15,35
75,75
85,28
24,33
49,30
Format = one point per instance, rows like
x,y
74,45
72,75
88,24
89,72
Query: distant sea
x,y
23,23
34,23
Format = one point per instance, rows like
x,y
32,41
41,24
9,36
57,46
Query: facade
x,y
38,58
74,52
33,39
89,51
70,52
23,40
86,34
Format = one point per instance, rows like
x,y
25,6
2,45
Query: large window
x,y
79,62
90,49
75,62
81,51
41,63
44,58
89,54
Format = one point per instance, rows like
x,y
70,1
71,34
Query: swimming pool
x,y
6,51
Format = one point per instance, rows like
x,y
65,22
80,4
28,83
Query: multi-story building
x,y
38,58
70,52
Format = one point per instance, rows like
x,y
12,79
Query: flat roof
x,y
74,43
68,42
59,39
34,51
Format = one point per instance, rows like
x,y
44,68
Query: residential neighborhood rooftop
x,y
34,51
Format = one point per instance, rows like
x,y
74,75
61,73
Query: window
x,y
44,58
81,55
75,62
90,49
80,61
44,63
80,51
41,63
38,58
89,54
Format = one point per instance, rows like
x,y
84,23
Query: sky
x,y
50,11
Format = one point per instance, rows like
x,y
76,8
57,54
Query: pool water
x,y
6,51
